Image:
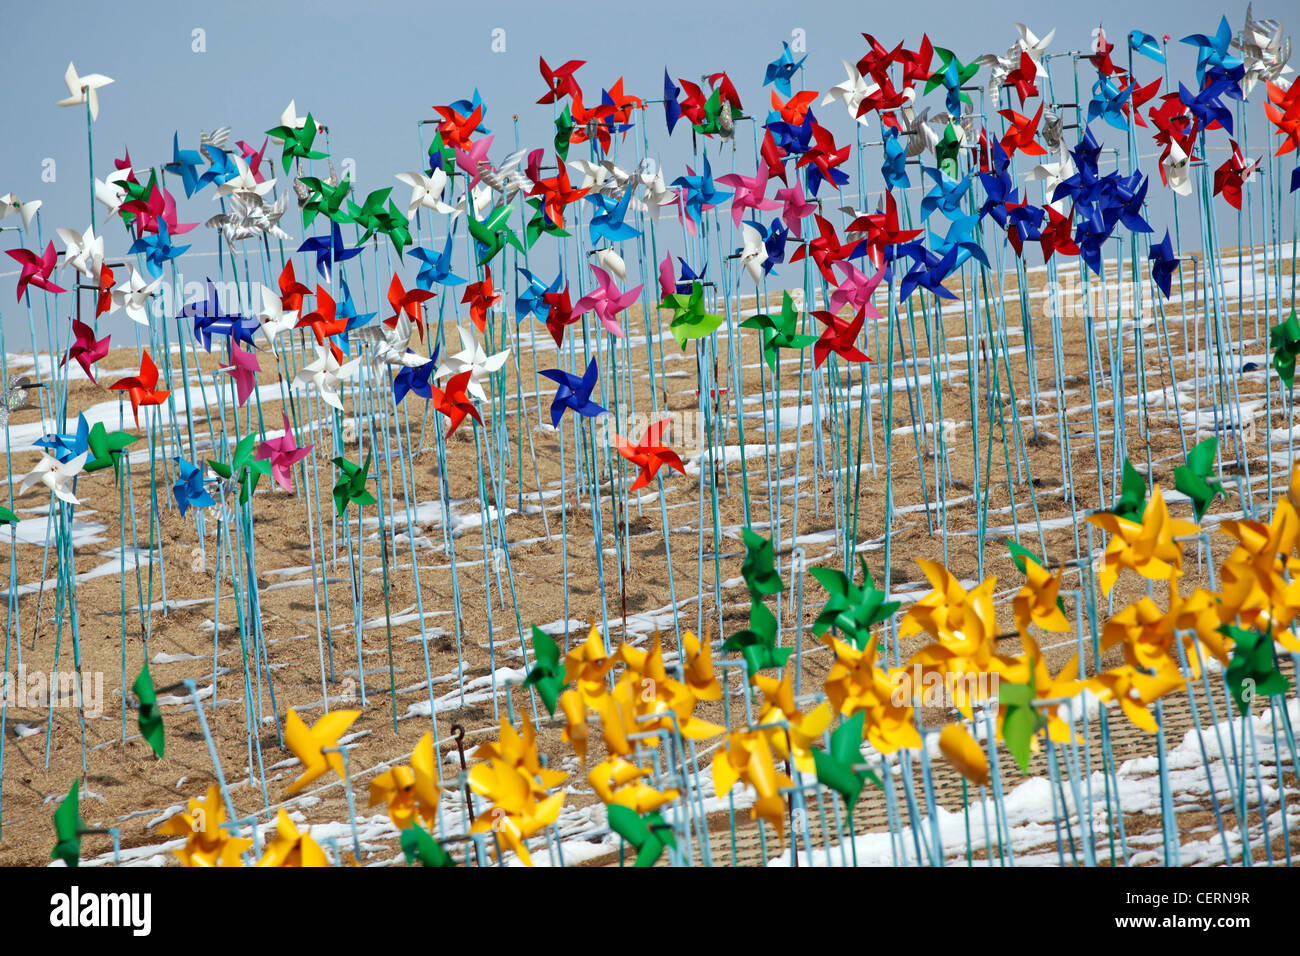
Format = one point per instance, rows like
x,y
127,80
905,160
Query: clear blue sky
x,y
371,70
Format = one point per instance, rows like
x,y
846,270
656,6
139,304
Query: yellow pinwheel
x,y
1036,602
207,843
1147,547
804,729
575,727
963,622
1031,666
1135,691
964,753
697,662
854,684
519,749
588,664
748,756
515,813
428,792
290,848
308,745
618,781
396,788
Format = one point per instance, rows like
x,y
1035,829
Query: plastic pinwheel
x,y
519,806
437,266
574,393
780,70
1146,545
748,756
244,469
472,359
190,491
1231,177
795,207
1194,478
85,350
142,389
68,827
698,193
851,609
779,332
351,486
297,141
309,745
454,403
608,224
649,454
547,674
1284,340
952,76
690,321
83,90
493,234
283,453
607,301
840,338
560,82
36,269
324,197
57,476
207,834
415,378
106,447
757,643
149,715
289,847
748,192
480,297
157,249
329,250
837,767
243,370
327,375
648,834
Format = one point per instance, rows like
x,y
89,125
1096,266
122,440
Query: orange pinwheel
x,y
795,108
557,192
649,454
324,321
1020,134
453,402
1283,110
407,301
143,388
480,297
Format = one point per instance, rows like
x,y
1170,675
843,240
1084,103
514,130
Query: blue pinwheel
x,y
894,169
1212,52
220,169
329,250
947,194
1163,264
157,249
415,379
791,139
185,164
210,320
67,447
190,490
1146,45
573,392
437,266
928,270
780,71
774,239
532,300
700,192
1207,106
686,277
960,241
672,108
608,224
1108,102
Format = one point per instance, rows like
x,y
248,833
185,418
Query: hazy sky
x,y
372,70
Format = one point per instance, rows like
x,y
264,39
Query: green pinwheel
x,y
547,674
690,321
325,199
648,834
1193,479
712,115
493,234
370,214
297,142
1020,719
1132,501
779,331
952,74
243,467
150,719
1252,672
836,768
850,609
759,567
418,845
135,194
564,132
68,826
106,448
1284,340
394,224
540,225
757,643
351,488
7,516
946,151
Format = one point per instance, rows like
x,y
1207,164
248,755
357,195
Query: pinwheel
x,y
10,204
36,270
621,784
454,402
1212,51
207,838
1283,110
83,252
297,141
1252,673
65,447
106,448
894,168
881,232
68,827
779,331
221,166
795,207
248,218
757,643
474,360
274,318
851,609
748,756
780,70
574,393
837,767
209,320
1020,133
493,234
1134,691
698,194
189,491
850,92
533,299
946,196
243,369
1163,264
840,338
437,267
324,321
1207,106
157,249
608,224
456,128
414,375
406,302
289,847
327,375
1146,546
827,248
547,674
560,81
57,476
308,745
1264,50
607,301
753,254
83,90
426,192
856,290
149,717
472,157
480,297
952,76
1145,45
351,486
1055,236
329,250
649,454
86,350
689,321
824,158
515,813
243,470
793,111
1233,175
748,192
1193,478
323,197
142,389
648,834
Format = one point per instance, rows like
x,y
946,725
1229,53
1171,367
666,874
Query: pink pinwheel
x,y
796,209
468,159
607,301
856,289
284,454
36,269
254,158
749,192
243,369
85,349
667,280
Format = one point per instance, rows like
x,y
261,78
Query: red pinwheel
x,y
560,82
794,109
1020,135
324,321
884,97
1139,98
840,337
1232,175
825,250
774,156
877,60
408,301
36,269
881,230
456,129
620,105
588,123
453,402
480,296
916,66
1056,236
559,314
85,349
1023,78
1283,111
291,290
1101,51
143,388
557,189
104,301
722,83
825,156
693,104
649,454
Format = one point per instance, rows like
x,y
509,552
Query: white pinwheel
x,y
474,360
243,182
1052,175
83,251
851,92
327,375
426,192
110,191
1178,175
753,252
611,262
657,195
57,476
273,318
10,204
133,296
1031,44
391,346
83,89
